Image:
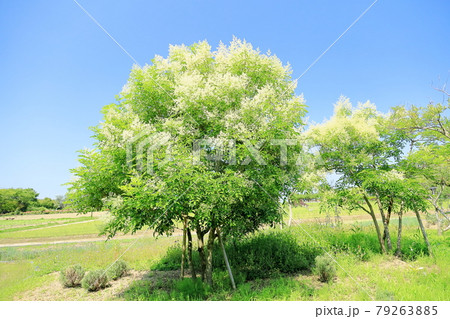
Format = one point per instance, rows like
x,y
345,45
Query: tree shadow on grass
x,y
167,286
263,265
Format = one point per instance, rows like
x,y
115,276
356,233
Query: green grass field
x,y
25,224
312,210
362,273
23,268
65,230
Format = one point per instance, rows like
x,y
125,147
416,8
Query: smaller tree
x,y
366,153
47,203
397,194
60,201
427,130
353,142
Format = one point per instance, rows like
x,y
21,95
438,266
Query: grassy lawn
x,y
312,210
25,268
26,224
362,273
365,274
406,221
65,230
416,277
312,213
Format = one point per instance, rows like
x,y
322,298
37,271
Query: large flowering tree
x,y
204,138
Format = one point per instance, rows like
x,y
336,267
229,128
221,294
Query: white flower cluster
x,y
349,124
235,92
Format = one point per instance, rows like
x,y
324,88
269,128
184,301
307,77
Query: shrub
x,y
171,260
358,243
189,289
263,255
39,209
413,248
268,254
94,280
325,268
72,276
222,281
117,270
175,289
145,291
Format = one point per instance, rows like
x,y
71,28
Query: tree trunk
x,y
438,222
398,252
290,213
434,201
389,212
380,238
201,252
424,233
386,234
375,222
225,257
190,261
183,252
209,261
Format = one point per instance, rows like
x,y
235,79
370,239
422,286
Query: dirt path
x,y
53,290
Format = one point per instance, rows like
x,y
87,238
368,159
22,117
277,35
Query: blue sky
x,y
58,68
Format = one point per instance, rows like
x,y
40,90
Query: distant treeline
x,y
16,200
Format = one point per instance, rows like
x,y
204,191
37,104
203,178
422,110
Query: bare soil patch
x,y
394,263
54,291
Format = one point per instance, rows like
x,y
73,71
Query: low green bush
x,y
358,243
174,289
172,260
412,248
325,268
117,270
189,289
94,280
72,276
259,256
222,281
39,209
268,254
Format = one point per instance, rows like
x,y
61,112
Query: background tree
x,y
396,194
60,201
358,146
17,199
47,203
428,161
234,107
